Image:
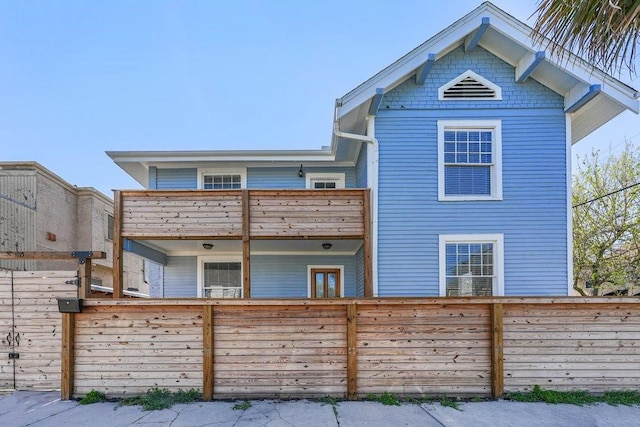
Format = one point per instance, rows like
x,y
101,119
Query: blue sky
x,y
79,78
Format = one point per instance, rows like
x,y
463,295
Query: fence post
x,y
67,362
118,262
207,353
352,364
497,353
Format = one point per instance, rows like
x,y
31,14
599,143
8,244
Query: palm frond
x,y
604,32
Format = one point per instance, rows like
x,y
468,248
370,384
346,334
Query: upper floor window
x,y
222,179
469,160
324,180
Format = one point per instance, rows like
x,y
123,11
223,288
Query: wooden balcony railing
x,y
220,214
241,215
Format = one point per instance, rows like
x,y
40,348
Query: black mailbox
x,y
70,305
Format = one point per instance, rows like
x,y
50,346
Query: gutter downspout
x,y
372,181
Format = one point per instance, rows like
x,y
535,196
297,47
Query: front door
x,y
325,283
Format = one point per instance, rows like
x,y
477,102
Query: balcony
x,y
242,216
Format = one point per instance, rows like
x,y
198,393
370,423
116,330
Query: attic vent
x,y
469,86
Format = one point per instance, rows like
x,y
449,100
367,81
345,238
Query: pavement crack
x,y
177,415
51,415
433,416
280,416
335,413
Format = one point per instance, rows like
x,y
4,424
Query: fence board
x,y
572,347
146,337
298,348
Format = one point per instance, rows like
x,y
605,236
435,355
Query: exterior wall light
x,y
301,172
327,246
207,246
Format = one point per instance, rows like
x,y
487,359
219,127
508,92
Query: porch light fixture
x,y
326,246
207,246
301,172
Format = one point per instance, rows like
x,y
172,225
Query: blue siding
x,y
533,214
285,276
268,178
180,277
176,179
529,94
279,178
361,167
360,272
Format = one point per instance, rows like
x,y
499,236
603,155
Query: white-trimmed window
x,y
471,265
220,277
325,281
319,181
469,160
222,179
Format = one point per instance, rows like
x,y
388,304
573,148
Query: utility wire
x,y
607,195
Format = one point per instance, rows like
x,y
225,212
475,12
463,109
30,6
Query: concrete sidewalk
x,y
45,409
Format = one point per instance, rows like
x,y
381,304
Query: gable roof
x,y
592,97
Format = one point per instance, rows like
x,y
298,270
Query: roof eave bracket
x,y
594,90
472,41
376,101
423,72
527,65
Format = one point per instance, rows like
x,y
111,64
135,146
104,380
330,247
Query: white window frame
x,y
222,171
498,257
477,77
334,267
217,258
338,178
496,166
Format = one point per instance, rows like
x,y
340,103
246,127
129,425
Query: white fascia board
x,y
453,35
405,66
220,156
570,64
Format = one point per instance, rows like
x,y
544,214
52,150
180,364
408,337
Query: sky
x,y
78,78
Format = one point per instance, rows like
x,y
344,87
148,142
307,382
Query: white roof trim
x,y
454,35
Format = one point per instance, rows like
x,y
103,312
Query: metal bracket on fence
x,y
82,255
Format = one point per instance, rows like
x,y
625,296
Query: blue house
x,y
448,174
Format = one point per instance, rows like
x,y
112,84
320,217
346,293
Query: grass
x,y
158,398
386,398
580,398
450,403
93,397
242,406
328,400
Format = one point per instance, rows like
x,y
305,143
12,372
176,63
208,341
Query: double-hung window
x,y
469,160
222,179
471,265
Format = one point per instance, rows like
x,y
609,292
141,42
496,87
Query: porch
x,y
247,223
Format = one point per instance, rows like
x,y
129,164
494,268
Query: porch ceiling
x,y
258,247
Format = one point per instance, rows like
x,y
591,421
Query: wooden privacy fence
x,y
31,327
351,347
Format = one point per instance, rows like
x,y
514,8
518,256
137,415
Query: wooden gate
x,y
31,326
